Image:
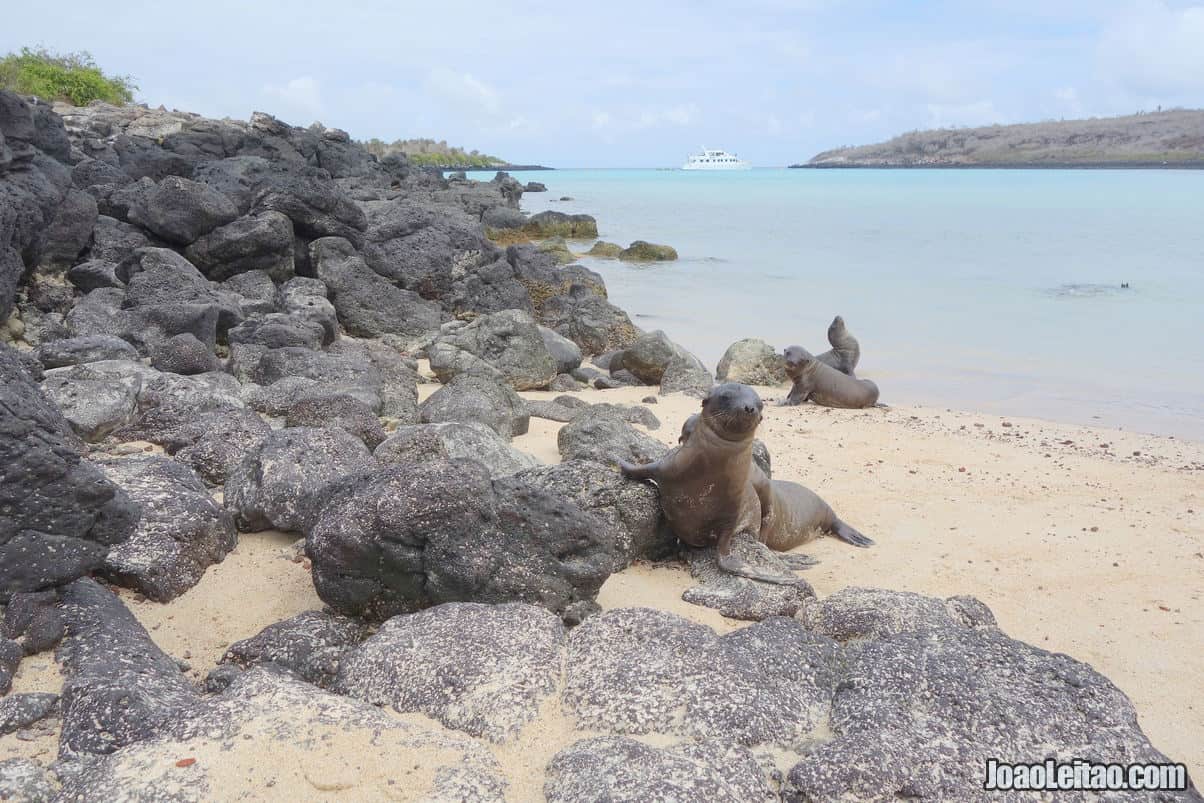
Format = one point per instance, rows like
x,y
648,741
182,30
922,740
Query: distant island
x,y
1162,139
437,153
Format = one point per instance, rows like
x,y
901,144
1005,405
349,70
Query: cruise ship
x,y
707,159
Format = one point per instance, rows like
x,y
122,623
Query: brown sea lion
x,y
823,384
845,352
711,490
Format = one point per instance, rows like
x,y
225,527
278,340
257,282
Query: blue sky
x,y
621,83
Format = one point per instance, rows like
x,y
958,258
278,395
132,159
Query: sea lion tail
x,y
846,533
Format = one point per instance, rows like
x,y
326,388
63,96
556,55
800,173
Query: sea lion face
x,y
797,358
732,411
836,326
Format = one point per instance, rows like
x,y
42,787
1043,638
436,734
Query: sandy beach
x,y
1084,541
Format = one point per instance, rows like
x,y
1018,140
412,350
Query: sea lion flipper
x,y
735,565
846,533
632,471
797,561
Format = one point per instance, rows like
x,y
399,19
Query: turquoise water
x,y
994,290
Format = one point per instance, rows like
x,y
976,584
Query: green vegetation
x,y
71,77
435,154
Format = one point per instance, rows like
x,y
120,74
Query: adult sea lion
x,y
711,490
823,384
845,352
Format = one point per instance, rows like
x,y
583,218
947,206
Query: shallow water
x,y
997,290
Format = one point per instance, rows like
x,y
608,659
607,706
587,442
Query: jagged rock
x,y
551,410
33,620
93,403
649,357
311,645
622,770
184,354
181,211
474,399
428,249
70,230
254,292
319,743
169,404
535,186
410,536
61,514
947,695
686,374
508,342
181,532
501,218
317,207
751,362
565,353
564,383
588,319
94,273
643,671
254,242
631,509
605,437
115,240
641,251
10,658
23,780
869,613
481,669
558,224
605,249
306,299
558,249
737,597
367,304
119,687
78,350
340,411
171,297
278,330
284,483
22,710
214,443
425,443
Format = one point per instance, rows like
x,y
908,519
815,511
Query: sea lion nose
x,y
748,408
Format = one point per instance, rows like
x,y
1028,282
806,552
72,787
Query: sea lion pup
x,y
845,352
710,489
823,384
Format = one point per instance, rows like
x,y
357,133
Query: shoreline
x,y
1122,165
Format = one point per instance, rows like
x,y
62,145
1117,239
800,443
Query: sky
x,y
638,84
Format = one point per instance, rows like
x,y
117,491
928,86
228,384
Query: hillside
x,y
1161,139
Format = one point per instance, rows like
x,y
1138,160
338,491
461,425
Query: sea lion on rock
x,y
823,384
711,490
845,352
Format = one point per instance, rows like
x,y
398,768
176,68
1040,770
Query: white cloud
x,y
464,89
300,95
1155,50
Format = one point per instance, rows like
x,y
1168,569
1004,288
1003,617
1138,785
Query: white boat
x,y
710,159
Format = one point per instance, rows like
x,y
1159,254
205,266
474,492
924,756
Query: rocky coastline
x,y
213,329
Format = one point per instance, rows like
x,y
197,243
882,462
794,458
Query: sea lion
x,y
710,489
823,384
845,352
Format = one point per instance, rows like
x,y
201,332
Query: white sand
x,y
1094,551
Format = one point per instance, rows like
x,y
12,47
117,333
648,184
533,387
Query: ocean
x,y
990,290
